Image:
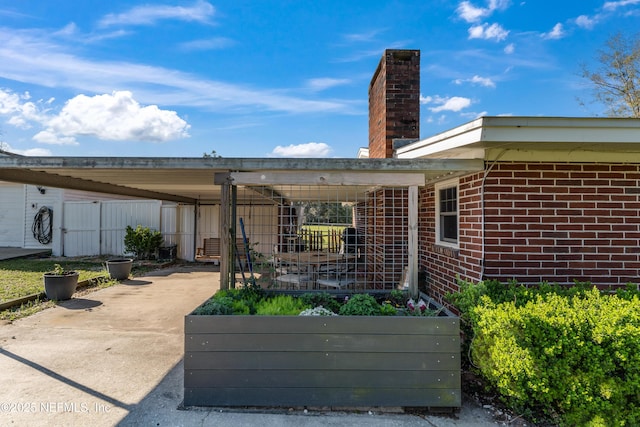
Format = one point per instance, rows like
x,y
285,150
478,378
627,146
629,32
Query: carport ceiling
x,y
191,180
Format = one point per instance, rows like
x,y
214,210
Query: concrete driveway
x,y
114,357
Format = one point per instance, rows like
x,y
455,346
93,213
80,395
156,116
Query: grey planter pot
x,y
60,287
119,269
322,361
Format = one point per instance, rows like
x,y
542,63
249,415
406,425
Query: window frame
x,y
444,185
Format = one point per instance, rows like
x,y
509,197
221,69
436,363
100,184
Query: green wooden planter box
x,y
341,361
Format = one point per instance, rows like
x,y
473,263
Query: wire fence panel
x,y
335,238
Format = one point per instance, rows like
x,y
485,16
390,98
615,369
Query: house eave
x,y
538,136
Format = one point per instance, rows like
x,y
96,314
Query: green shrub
x,y
388,310
142,241
360,305
324,299
216,306
397,298
281,305
573,357
232,301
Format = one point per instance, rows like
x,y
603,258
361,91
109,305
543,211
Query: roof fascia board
x,y
458,137
514,130
331,178
225,164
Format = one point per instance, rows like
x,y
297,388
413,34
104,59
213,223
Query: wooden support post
x,y
412,241
226,268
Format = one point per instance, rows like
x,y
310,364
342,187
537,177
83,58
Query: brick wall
x,y
560,222
557,222
442,263
394,101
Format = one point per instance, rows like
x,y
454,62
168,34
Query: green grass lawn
x,y
22,277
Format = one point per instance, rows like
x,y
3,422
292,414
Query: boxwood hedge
x,y
572,354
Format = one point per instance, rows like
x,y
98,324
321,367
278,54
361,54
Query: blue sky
x,y
280,78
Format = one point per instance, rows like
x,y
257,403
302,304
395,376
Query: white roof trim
x,y
531,133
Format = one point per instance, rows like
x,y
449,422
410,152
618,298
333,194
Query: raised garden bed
x,y
338,361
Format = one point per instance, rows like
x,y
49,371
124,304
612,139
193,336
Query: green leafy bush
x,y
281,305
575,358
324,299
142,241
232,301
361,305
388,310
216,306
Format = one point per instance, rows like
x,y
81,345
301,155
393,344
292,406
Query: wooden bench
x,y
211,250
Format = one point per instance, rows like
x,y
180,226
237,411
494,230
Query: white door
x,y
81,229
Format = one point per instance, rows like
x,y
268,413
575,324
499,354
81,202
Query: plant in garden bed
x,y
317,311
361,305
252,299
281,305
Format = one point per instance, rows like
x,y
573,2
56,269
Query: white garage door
x,y
12,215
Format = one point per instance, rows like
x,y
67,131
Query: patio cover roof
x,y
191,180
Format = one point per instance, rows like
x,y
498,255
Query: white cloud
x,y
454,103
556,33
472,115
11,102
440,120
509,49
208,44
200,11
308,150
50,137
471,13
583,21
107,117
34,57
425,99
68,30
488,32
477,80
362,37
325,83
19,109
37,152
116,117
613,5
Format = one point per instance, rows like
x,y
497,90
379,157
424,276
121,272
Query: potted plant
x,y
119,268
60,284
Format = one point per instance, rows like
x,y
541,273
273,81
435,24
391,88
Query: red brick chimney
x,y
394,101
